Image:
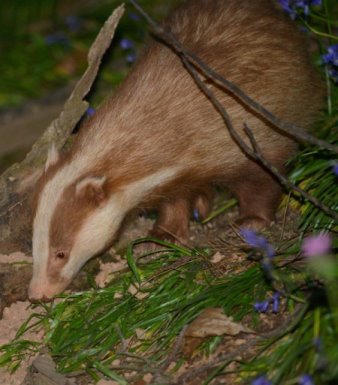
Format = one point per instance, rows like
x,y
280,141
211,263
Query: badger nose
x,y
41,299
38,292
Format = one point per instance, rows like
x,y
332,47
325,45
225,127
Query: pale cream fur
x,y
95,233
99,229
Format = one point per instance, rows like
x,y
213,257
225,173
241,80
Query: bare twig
x,y
17,182
189,60
285,216
253,152
166,36
176,349
226,358
285,181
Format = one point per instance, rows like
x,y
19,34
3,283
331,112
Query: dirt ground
x,y
15,269
217,234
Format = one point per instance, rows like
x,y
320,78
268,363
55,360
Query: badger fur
x,y
159,142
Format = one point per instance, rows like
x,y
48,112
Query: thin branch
x,y
253,152
176,349
226,358
283,180
296,132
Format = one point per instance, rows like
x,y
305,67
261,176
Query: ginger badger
x,y
159,142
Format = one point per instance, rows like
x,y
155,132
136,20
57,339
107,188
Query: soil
x,y
228,257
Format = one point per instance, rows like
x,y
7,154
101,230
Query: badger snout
x,y
42,290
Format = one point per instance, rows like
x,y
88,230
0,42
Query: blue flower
x,y
74,23
262,380
318,343
331,57
275,302
196,214
305,380
335,169
262,307
57,38
134,16
131,57
294,7
126,44
285,4
334,74
90,112
257,241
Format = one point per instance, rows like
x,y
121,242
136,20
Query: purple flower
x,y
262,380
293,7
316,245
90,112
130,58
305,380
73,22
133,16
126,44
287,8
196,214
257,241
317,343
57,38
331,56
335,169
262,307
334,74
275,302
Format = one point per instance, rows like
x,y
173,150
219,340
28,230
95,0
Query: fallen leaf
x,y
213,322
106,271
137,293
217,257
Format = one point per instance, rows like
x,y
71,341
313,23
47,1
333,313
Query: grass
x,y
44,50
86,330
89,330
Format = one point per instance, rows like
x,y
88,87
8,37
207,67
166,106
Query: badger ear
x,y
52,157
92,187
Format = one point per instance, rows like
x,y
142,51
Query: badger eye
x,y
60,255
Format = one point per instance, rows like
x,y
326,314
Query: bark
x,y
17,183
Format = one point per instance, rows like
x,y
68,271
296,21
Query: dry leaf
x,y
106,271
213,322
217,257
135,292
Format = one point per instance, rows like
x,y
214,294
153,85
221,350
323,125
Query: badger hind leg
x,y
259,195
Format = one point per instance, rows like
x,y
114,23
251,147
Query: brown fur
x,y
159,117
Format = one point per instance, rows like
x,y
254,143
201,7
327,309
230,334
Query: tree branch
x,y
296,132
17,181
253,152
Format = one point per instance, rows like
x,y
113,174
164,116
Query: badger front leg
x,y
172,223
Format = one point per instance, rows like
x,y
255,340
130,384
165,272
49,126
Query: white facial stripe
x,y
135,192
94,234
49,198
99,229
